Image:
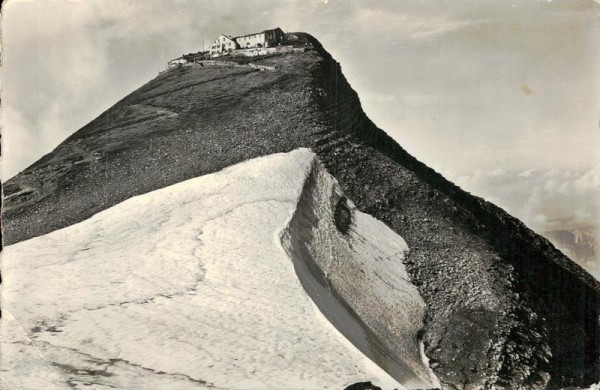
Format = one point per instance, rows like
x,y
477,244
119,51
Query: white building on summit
x,y
223,44
227,44
250,45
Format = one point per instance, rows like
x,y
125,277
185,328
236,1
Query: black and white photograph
x,y
300,194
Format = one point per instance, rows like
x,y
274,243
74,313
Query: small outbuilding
x,y
194,57
179,61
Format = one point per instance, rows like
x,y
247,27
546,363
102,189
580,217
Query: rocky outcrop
x,y
505,308
363,386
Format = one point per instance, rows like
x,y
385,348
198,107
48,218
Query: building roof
x,y
226,36
191,55
273,29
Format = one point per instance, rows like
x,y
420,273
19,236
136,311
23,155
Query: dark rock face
x,y
343,215
362,386
505,307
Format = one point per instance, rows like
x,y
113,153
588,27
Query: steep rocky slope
x,y
504,306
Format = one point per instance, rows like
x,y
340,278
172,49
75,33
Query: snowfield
x,y
231,280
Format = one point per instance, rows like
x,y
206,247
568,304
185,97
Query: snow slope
x,y
351,265
189,286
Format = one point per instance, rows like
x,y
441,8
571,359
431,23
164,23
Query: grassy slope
x,y
504,306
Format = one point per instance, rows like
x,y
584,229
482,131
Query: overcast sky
x,y
479,90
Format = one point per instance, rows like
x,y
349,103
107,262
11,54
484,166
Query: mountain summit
x,y
504,307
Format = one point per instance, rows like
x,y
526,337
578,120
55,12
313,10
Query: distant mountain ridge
x,y
505,308
579,244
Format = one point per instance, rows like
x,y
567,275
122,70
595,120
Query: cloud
x,y
407,26
526,173
14,141
589,181
552,199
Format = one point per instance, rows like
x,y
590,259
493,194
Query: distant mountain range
x,y
582,245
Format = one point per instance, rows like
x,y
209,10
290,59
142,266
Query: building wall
x,y
253,40
254,51
275,36
221,45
